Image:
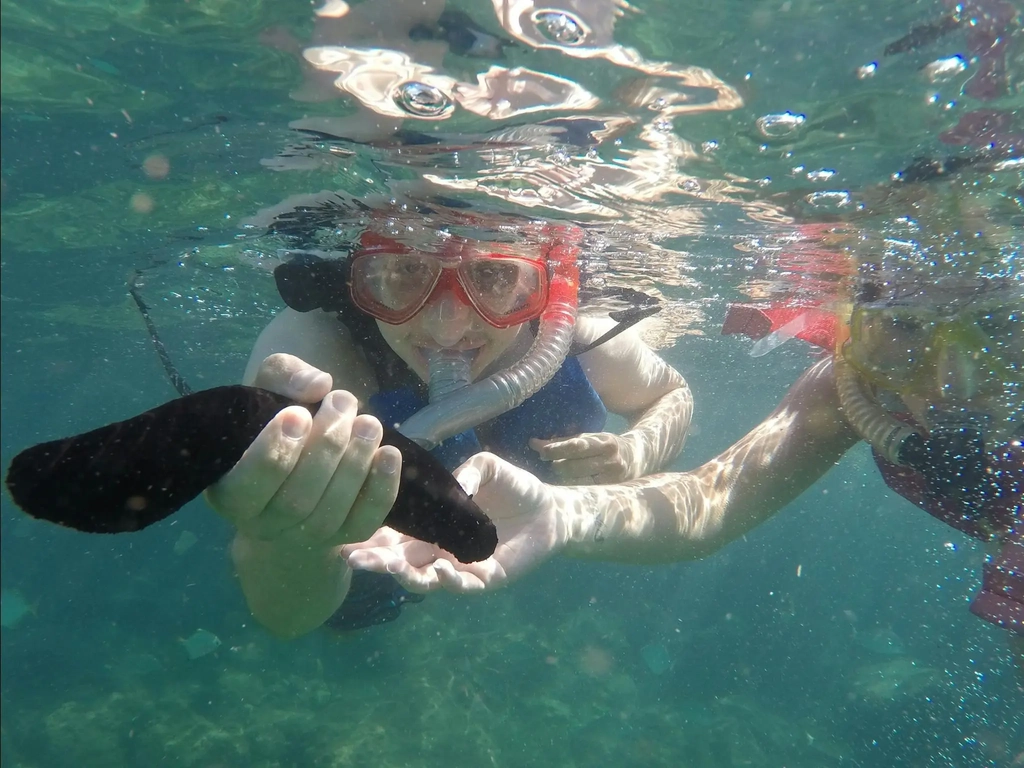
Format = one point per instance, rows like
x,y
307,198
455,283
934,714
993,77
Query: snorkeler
x,y
469,344
929,374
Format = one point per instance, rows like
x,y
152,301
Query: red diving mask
x,y
392,282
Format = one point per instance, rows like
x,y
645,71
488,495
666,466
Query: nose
x,y
446,319
956,369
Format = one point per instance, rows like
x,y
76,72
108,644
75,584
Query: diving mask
x,y
961,352
392,282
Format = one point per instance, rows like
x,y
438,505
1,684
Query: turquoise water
x,y
836,634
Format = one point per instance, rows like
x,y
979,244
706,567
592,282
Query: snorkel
x,y
455,405
875,425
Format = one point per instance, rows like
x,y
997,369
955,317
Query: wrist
x,y
280,555
633,450
583,517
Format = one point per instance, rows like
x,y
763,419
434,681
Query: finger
x,y
293,377
415,579
382,537
416,553
582,468
301,494
244,492
469,478
457,581
333,487
418,580
480,469
576,447
376,495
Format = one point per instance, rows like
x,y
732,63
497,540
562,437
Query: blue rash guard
x,y
567,405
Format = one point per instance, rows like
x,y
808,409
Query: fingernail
x,y
305,379
366,428
295,427
340,401
390,462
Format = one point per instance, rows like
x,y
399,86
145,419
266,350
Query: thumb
x,y
293,377
479,470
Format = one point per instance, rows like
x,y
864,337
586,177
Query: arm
x,y
689,515
659,518
307,484
632,381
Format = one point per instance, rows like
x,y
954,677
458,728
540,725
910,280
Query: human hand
x,y
530,516
309,481
594,458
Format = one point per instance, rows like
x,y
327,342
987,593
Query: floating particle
x,y
185,542
656,658
13,608
201,643
156,167
142,203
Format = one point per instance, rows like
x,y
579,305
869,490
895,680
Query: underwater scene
x,y
715,310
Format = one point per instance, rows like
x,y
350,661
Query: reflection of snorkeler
x,y
991,27
953,366
464,341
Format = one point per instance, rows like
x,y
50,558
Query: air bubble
x,y
780,125
941,70
560,27
867,71
422,100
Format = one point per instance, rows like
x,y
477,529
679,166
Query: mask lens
x,y
888,346
393,286
505,290
1003,329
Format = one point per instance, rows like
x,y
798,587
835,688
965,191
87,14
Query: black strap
x,y
645,305
176,379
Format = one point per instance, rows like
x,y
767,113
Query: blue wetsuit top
x,y
567,405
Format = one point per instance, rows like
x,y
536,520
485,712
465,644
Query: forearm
x,y
677,516
290,591
657,437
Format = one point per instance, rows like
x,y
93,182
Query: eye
x,y
905,324
494,277
411,268
1000,323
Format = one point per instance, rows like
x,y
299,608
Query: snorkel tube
x,y
892,438
456,406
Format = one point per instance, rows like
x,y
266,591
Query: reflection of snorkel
x,y
455,407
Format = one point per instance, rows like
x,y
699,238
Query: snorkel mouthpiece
x,y
449,372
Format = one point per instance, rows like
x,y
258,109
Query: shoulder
x,y
321,340
589,328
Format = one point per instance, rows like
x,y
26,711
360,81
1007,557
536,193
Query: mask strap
x,y
646,306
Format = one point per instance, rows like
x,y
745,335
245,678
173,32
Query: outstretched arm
x,y
659,518
689,515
